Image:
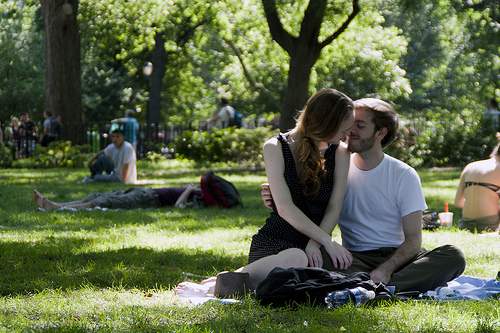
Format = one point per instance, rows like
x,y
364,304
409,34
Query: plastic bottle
x,y
358,296
361,295
337,298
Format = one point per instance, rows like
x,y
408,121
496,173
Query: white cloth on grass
x,y
466,287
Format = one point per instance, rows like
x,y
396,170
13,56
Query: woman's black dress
x,y
277,234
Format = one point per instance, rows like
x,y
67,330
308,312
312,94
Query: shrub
x,y
5,156
222,145
444,138
61,154
154,157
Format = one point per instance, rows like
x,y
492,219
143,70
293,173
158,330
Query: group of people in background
x,y
22,134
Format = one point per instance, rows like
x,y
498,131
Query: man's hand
x,y
314,254
380,275
266,196
341,257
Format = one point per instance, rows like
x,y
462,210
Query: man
x,y
130,127
122,156
224,116
381,216
51,129
27,132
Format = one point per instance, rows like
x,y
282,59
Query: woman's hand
x,y
314,254
341,257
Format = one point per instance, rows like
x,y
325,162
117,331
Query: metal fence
x,y
149,137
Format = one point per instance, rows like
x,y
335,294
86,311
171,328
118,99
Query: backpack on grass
x,y
217,191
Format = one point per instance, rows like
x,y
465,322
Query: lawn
x,y
114,270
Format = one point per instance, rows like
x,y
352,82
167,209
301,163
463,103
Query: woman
x,y
478,194
307,173
302,167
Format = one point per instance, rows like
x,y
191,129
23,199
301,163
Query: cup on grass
x,y
446,219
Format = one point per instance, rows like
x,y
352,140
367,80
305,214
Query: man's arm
x,y
412,229
459,196
125,170
92,160
183,198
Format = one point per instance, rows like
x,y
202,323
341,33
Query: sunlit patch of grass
x,y
114,270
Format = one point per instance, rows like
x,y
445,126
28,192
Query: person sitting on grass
x,y
131,198
380,218
307,171
116,163
478,194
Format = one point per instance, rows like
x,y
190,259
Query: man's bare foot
x,y
43,202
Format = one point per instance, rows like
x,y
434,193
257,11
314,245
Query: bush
x,y
223,145
5,156
154,157
61,154
444,138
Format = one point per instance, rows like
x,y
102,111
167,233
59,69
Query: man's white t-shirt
x,y
375,202
225,115
121,156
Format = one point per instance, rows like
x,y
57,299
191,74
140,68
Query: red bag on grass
x,y
217,191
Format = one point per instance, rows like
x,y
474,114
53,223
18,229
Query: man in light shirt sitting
x,y
116,163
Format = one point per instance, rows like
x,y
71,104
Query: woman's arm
x,y
331,217
275,168
459,196
332,214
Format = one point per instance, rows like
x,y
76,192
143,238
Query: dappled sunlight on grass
x,y
114,270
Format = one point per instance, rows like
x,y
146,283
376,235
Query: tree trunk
x,y
303,50
62,66
297,90
159,60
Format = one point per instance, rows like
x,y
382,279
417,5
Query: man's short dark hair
x,y
130,113
117,131
224,101
383,116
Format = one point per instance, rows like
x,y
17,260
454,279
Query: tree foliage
x,y
437,61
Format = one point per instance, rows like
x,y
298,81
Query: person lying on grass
x,y
130,198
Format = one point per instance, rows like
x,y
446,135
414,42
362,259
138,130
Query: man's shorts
x,y
131,198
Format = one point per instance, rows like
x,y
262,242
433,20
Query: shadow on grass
x,y
29,267
19,213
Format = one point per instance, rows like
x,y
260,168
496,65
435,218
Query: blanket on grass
x,y
463,287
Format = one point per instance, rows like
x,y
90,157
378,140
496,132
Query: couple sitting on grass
x,y
317,181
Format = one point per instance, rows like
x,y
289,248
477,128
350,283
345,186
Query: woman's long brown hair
x,y
320,120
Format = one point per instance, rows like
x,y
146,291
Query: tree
x,y
21,54
62,66
303,51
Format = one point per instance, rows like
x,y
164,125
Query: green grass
x,y
114,270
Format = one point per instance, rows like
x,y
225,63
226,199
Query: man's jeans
x,y
102,170
426,271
